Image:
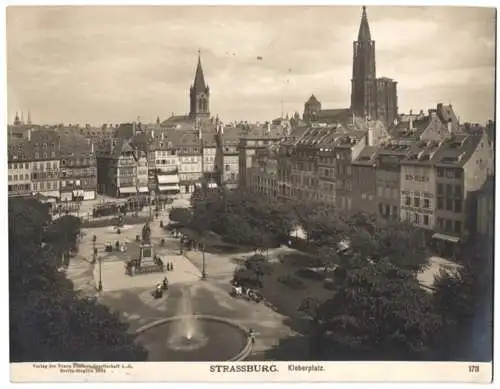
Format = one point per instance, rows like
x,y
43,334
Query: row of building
x,y
425,170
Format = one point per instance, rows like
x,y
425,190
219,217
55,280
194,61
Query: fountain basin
x,y
221,339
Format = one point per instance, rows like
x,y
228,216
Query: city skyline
x,y
112,64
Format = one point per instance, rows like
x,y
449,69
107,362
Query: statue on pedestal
x,y
146,234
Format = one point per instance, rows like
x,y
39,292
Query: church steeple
x,y
17,121
363,84
199,78
364,28
199,94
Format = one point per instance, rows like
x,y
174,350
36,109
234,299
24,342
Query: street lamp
x,y
99,286
203,272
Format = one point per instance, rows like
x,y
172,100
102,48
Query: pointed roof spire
x,y
364,28
199,78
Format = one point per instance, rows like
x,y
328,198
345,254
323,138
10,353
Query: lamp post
x,y
203,271
94,250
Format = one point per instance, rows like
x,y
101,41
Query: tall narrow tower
x,y
363,83
199,94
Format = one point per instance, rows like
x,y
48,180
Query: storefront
x,y
172,188
89,195
446,245
66,196
127,191
77,195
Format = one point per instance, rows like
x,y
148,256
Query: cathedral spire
x,y
199,78
364,28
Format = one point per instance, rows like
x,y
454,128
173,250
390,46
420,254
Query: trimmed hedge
x,y
310,274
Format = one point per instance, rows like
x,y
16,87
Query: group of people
x,y
160,288
169,266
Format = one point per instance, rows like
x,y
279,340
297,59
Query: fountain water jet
x,y
187,333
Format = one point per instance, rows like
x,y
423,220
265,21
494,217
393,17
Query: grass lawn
x,y
286,299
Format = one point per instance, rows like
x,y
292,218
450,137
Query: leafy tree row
x,y
241,217
49,321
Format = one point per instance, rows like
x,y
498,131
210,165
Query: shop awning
x,y
448,238
168,179
212,185
128,190
164,188
143,189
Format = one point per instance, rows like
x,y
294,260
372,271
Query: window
x,y
15,177
458,227
440,222
458,191
440,172
449,204
408,200
26,166
417,202
448,225
26,176
42,185
449,190
9,178
450,174
49,185
417,218
458,205
427,203
440,189
426,220
37,155
380,191
394,211
440,203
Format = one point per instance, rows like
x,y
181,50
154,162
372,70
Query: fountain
x,y
187,333
191,337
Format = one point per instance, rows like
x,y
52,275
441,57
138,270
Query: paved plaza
x,y
132,296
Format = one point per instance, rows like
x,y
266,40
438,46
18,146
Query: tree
x,y
181,216
49,321
464,298
62,234
380,310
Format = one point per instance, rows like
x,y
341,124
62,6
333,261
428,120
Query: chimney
x,y
449,127
29,133
152,133
268,128
92,147
133,128
411,120
162,137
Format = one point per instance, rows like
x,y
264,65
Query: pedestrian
x,y
171,266
251,335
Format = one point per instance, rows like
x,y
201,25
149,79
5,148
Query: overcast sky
x,y
113,64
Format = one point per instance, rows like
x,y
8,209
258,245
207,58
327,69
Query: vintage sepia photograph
x,y
303,185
